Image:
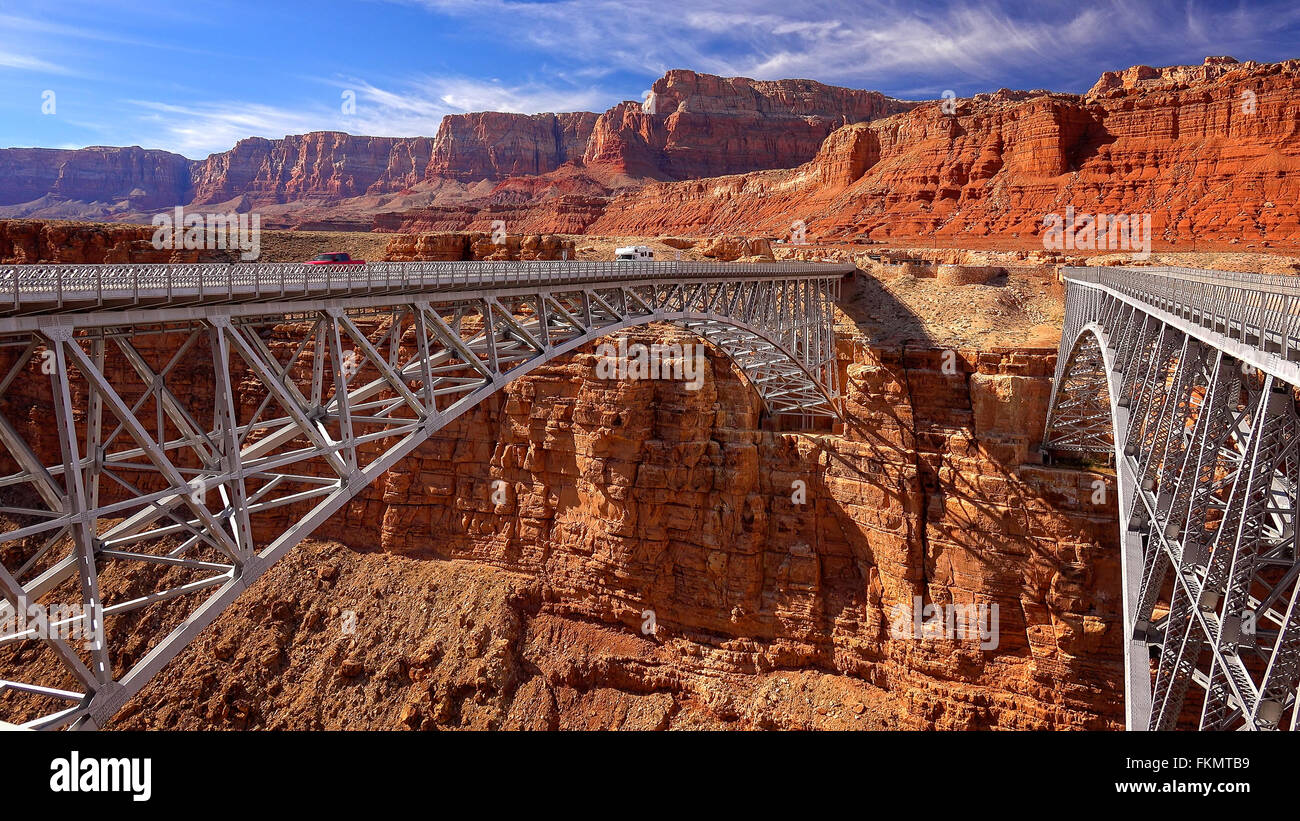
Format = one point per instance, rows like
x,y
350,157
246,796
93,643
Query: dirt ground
x,y
297,246
1019,308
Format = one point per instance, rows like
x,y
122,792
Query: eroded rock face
x,y
729,249
1146,77
631,504
701,125
705,126
493,145
1182,146
27,242
145,178
1207,151
325,164
476,246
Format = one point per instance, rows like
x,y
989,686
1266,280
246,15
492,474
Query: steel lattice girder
x,y
1189,379
231,429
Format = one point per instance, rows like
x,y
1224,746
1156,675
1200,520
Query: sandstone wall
x,y
145,178
328,165
1182,149
704,126
493,145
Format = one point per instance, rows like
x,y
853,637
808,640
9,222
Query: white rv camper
x,y
634,253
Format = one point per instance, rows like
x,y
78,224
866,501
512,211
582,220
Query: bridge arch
x,y
740,341
1084,419
1188,380
378,360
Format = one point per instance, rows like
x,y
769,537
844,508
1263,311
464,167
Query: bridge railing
x,y
37,287
1259,310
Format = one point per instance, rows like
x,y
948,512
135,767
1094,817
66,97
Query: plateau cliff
x,y
1212,155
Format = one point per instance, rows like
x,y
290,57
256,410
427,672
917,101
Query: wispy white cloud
x,y
24,62
427,99
411,109
869,43
29,29
199,129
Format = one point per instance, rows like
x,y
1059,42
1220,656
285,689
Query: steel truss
x,y
208,418
1188,378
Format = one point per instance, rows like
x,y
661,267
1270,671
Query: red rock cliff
x,y
148,179
27,242
703,125
1211,155
325,164
493,145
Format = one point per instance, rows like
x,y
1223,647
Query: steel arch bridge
x,y
169,432
1187,379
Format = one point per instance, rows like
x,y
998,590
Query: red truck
x,y
334,259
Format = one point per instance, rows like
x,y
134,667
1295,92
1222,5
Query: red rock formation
x,y
1209,152
626,497
26,242
703,125
493,145
1181,145
706,126
28,173
730,249
1146,77
325,164
147,179
476,246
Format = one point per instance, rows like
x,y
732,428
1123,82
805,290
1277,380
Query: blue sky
x,y
194,77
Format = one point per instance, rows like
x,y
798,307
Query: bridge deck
x,y
1254,317
46,289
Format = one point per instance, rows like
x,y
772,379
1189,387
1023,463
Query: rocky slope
x,y
26,242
